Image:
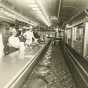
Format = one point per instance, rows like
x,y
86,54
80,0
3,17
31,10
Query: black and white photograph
x,y
43,43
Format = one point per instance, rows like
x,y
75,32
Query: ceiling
x,y
71,8
39,11
45,12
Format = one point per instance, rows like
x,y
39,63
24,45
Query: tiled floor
x,y
51,72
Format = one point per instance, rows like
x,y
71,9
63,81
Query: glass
x,y
68,36
85,48
77,38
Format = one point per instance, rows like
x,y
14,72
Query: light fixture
x,y
35,9
7,14
68,26
6,19
30,1
38,9
17,16
33,6
44,12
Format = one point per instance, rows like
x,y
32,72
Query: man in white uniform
x,y
28,35
14,41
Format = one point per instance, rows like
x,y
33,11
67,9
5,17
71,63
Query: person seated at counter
x,y
37,37
20,35
14,41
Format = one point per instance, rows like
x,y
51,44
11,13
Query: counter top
x,y
11,65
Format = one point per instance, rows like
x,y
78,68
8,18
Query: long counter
x,y
13,70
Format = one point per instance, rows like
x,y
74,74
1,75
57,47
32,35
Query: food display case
x,y
85,48
68,36
78,38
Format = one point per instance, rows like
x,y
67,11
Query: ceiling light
x,y
16,15
7,19
35,9
30,1
2,11
44,13
39,11
26,1
33,6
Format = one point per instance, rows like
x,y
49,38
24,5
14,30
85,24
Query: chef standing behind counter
x,y
28,36
15,42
